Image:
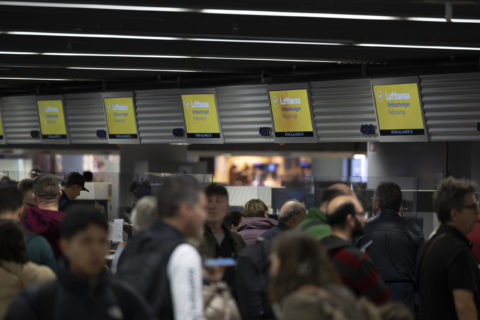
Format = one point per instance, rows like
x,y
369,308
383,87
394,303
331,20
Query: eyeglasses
x,y
474,206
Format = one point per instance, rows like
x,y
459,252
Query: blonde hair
x,y
145,213
255,208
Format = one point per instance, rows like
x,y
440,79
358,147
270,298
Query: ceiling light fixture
x,y
161,38
263,13
131,69
411,46
37,79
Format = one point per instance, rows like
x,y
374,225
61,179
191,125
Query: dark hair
x,y
12,243
389,196
451,195
217,189
79,217
7,182
302,262
46,187
11,199
254,208
330,194
339,216
26,185
233,218
176,191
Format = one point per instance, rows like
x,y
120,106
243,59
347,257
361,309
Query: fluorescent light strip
x,y
131,69
409,46
465,20
114,55
93,6
218,11
37,79
23,53
134,37
266,59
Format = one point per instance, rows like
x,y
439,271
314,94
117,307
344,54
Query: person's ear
x,y
350,220
184,211
20,211
63,246
454,213
35,198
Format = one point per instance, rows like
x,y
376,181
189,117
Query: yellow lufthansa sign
x,y
121,121
1,129
291,113
399,110
200,112
52,119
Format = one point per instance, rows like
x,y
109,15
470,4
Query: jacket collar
x,y
333,242
388,212
79,284
444,228
316,214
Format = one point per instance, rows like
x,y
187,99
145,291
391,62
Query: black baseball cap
x,y
74,178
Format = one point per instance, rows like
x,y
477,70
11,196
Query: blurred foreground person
x,y
254,263
38,249
164,269
346,216
84,290
304,284
447,275
16,273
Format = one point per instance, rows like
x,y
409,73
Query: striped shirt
x,y
356,270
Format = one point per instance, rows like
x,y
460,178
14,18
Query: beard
x,y
358,229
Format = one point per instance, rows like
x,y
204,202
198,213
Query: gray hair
x,y
145,213
289,210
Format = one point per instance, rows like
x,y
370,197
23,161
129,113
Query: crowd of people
x,y
191,258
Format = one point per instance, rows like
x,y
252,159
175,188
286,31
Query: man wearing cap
x,y
72,185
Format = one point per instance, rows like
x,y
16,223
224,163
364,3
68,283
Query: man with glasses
x,y
346,216
393,243
447,276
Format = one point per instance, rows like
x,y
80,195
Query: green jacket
x,y
40,252
315,224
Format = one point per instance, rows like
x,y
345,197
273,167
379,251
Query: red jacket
x,y
45,223
475,238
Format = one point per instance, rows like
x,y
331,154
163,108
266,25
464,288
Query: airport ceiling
x,y
55,46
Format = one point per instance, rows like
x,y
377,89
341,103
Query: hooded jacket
x,y
45,223
252,228
15,277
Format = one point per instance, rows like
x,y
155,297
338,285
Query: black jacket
x,y
71,297
252,279
395,246
143,265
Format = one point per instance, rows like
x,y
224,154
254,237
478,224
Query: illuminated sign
x,y
52,119
121,121
200,112
399,110
291,113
